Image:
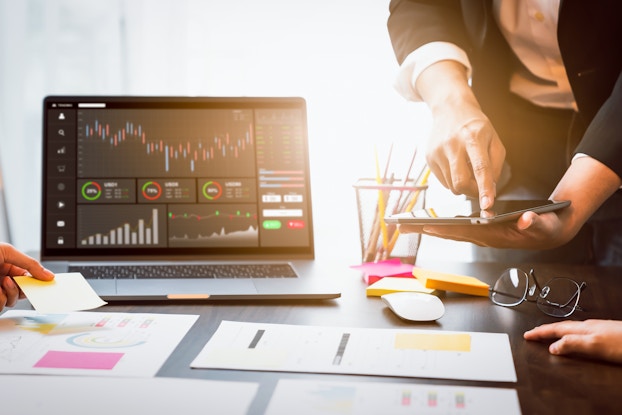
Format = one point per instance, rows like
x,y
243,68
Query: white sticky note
x,y
66,292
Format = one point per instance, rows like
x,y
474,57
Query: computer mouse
x,y
414,306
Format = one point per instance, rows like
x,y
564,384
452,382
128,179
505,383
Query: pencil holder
x,y
375,201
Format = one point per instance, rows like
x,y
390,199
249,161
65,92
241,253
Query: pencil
x,y
409,207
372,250
381,205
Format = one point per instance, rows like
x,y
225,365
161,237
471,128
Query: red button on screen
x,y
295,224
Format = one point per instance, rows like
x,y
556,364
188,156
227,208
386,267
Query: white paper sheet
x,y
66,292
364,351
308,397
89,343
70,395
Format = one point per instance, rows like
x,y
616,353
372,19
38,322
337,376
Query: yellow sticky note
x,y
66,292
451,342
451,282
388,285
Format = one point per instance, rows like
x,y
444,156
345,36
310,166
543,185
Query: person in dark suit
x,y
14,263
526,99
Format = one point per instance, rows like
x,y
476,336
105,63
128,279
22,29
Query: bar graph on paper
x,y
140,226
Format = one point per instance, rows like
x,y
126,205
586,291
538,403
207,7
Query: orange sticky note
x,y
451,282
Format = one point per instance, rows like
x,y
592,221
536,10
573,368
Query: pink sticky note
x,y
79,360
373,271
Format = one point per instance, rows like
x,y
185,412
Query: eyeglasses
x,y
558,298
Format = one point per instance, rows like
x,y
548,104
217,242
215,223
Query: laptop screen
x,y
171,176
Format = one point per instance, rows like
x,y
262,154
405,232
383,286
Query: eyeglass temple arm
x,y
581,288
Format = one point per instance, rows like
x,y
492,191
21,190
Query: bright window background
x,y
335,54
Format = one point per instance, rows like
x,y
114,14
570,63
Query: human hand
x,y
586,184
599,339
15,263
529,231
464,151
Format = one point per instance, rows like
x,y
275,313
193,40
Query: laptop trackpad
x,y
182,286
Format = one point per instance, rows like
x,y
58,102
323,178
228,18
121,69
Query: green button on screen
x,y
272,224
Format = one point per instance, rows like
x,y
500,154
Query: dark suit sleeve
x,y
603,138
412,24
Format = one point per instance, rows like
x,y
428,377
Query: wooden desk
x,y
546,383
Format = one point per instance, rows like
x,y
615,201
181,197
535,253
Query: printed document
x,y
89,343
362,351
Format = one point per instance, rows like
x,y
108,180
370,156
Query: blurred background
x,y
335,54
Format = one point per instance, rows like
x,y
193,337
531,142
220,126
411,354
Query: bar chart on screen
x,y
143,225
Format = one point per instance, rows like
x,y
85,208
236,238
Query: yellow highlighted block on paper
x,y
458,342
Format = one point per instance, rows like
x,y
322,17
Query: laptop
x,y
180,198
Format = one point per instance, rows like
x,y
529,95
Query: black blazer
x,y
588,36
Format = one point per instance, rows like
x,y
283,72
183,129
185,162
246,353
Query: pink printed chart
x,y
89,343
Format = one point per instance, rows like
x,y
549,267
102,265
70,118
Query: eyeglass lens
x,y
511,288
559,297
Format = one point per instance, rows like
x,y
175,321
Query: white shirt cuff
x,y
420,59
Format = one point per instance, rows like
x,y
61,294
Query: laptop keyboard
x,y
275,270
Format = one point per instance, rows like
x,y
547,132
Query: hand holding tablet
x,y
467,212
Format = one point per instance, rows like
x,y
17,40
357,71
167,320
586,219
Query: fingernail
x,y
553,349
485,202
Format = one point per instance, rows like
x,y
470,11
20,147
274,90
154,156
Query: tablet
x,y
467,212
